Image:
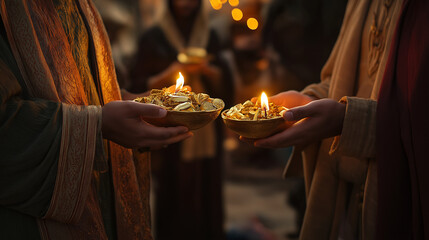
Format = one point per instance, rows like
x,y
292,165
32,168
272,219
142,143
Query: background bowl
x,y
191,120
192,55
255,129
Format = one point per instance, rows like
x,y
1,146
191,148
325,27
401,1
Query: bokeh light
x,y
216,4
252,23
233,3
237,14
223,1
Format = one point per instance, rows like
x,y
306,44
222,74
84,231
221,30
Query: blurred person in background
x,y
188,176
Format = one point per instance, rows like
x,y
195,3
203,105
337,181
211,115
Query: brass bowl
x,y
255,129
191,120
192,55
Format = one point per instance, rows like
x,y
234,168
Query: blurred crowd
x,y
285,52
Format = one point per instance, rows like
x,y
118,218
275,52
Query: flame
x,y
179,82
264,102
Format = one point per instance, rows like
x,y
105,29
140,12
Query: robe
x,y
58,178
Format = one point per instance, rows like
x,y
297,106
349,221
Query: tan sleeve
x,y
80,131
357,138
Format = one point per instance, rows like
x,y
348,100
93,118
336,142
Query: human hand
x,y
122,123
316,120
289,99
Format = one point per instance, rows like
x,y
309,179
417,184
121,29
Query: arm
x,y
352,121
46,145
30,137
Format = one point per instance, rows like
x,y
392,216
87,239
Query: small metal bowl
x,y
255,129
191,120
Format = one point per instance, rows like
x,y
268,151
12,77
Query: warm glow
x,y
223,1
264,102
179,82
237,14
252,23
216,4
233,3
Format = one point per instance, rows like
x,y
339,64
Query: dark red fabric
x,y
403,130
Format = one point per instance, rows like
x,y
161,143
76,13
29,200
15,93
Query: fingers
x,y
296,135
147,110
298,113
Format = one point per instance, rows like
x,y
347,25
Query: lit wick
x,y
179,83
264,103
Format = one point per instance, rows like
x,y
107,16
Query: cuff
x,y
75,164
357,138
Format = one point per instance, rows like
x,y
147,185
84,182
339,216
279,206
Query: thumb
x,y
148,110
298,113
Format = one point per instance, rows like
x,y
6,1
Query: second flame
x,y
264,102
180,82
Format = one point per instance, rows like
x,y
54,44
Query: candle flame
x,y
264,102
180,82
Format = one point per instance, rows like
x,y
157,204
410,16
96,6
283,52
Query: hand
x,y
121,123
317,120
288,99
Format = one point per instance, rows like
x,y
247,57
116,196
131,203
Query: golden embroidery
x,y
377,35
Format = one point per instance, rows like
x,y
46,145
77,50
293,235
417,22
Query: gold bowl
x,y
192,55
255,129
191,120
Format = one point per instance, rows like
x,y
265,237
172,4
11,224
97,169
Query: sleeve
x,y
30,136
47,149
47,152
357,138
